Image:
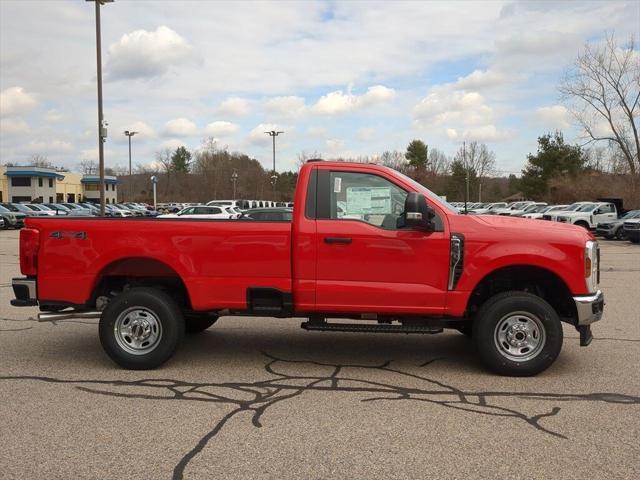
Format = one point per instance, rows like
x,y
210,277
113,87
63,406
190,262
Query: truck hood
x,y
483,226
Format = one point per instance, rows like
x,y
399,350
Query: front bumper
x,y
589,308
25,291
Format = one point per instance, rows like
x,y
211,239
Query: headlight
x,y
592,265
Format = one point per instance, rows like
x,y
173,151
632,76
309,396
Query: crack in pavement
x,y
258,396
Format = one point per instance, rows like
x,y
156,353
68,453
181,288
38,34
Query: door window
x,y
365,197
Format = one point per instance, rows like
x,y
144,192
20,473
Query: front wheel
x,y
517,334
141,328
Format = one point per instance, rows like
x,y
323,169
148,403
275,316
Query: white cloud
x,y
53,115
484,133
553,117
234,106
13,126
181,127
145,131
288,107
221,128
338,102
481,79
334,145
366,134
460,114
92,154
15,100
172,144
49,147
145,54
317,132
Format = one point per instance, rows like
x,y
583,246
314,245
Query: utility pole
x,y
466,169
274,177
234,179
102,126
130,134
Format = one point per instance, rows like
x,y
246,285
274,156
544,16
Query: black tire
x,y
517,307
198,323
620,235
152,305
466,329
583,224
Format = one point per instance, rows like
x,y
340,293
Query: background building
x,y
39,184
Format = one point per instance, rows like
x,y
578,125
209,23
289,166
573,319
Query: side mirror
x,y
418,214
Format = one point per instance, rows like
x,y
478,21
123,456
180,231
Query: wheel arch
x,y
138,271
534,279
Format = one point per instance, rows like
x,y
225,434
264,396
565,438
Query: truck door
x,y
604,213
367,261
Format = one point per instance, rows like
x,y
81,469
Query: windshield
x,y
10,207
631,214
32,207
422,189
586,208
3,210
573,207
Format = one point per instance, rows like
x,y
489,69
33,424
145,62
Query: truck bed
x,y
217,260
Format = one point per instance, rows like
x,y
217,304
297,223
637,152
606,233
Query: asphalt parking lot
x,y
261,398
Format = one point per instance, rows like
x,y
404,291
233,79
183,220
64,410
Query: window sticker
x,y
337,185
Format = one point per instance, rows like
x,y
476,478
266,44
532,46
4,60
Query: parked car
x,y
539,213
632,229
77,210
61,209
12,219
408,264
531,208
553,215
19,207
589,215
488,208
614,229
512,207
202,212
42,209
268,214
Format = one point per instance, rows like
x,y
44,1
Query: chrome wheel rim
x,y
137,331
520,336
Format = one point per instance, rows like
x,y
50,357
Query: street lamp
x,y
234,179
273,134
102,129
130,134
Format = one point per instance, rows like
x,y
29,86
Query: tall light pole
x,y
102,127
273,134
130,134
234,179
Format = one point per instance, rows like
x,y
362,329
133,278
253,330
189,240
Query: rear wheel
x,y
517,334
141,328
583,225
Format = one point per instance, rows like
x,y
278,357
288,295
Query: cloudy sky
x,y
340,78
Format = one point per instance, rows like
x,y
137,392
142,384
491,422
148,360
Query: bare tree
x,y
89,167
438,162
394,159
40,161
602,91
478,161
304,156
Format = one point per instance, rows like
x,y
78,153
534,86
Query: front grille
x,y
632,225
546,217
563,219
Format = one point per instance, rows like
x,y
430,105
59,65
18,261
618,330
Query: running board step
x,y
375,328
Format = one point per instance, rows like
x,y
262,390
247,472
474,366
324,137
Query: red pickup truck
x,y
367,246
